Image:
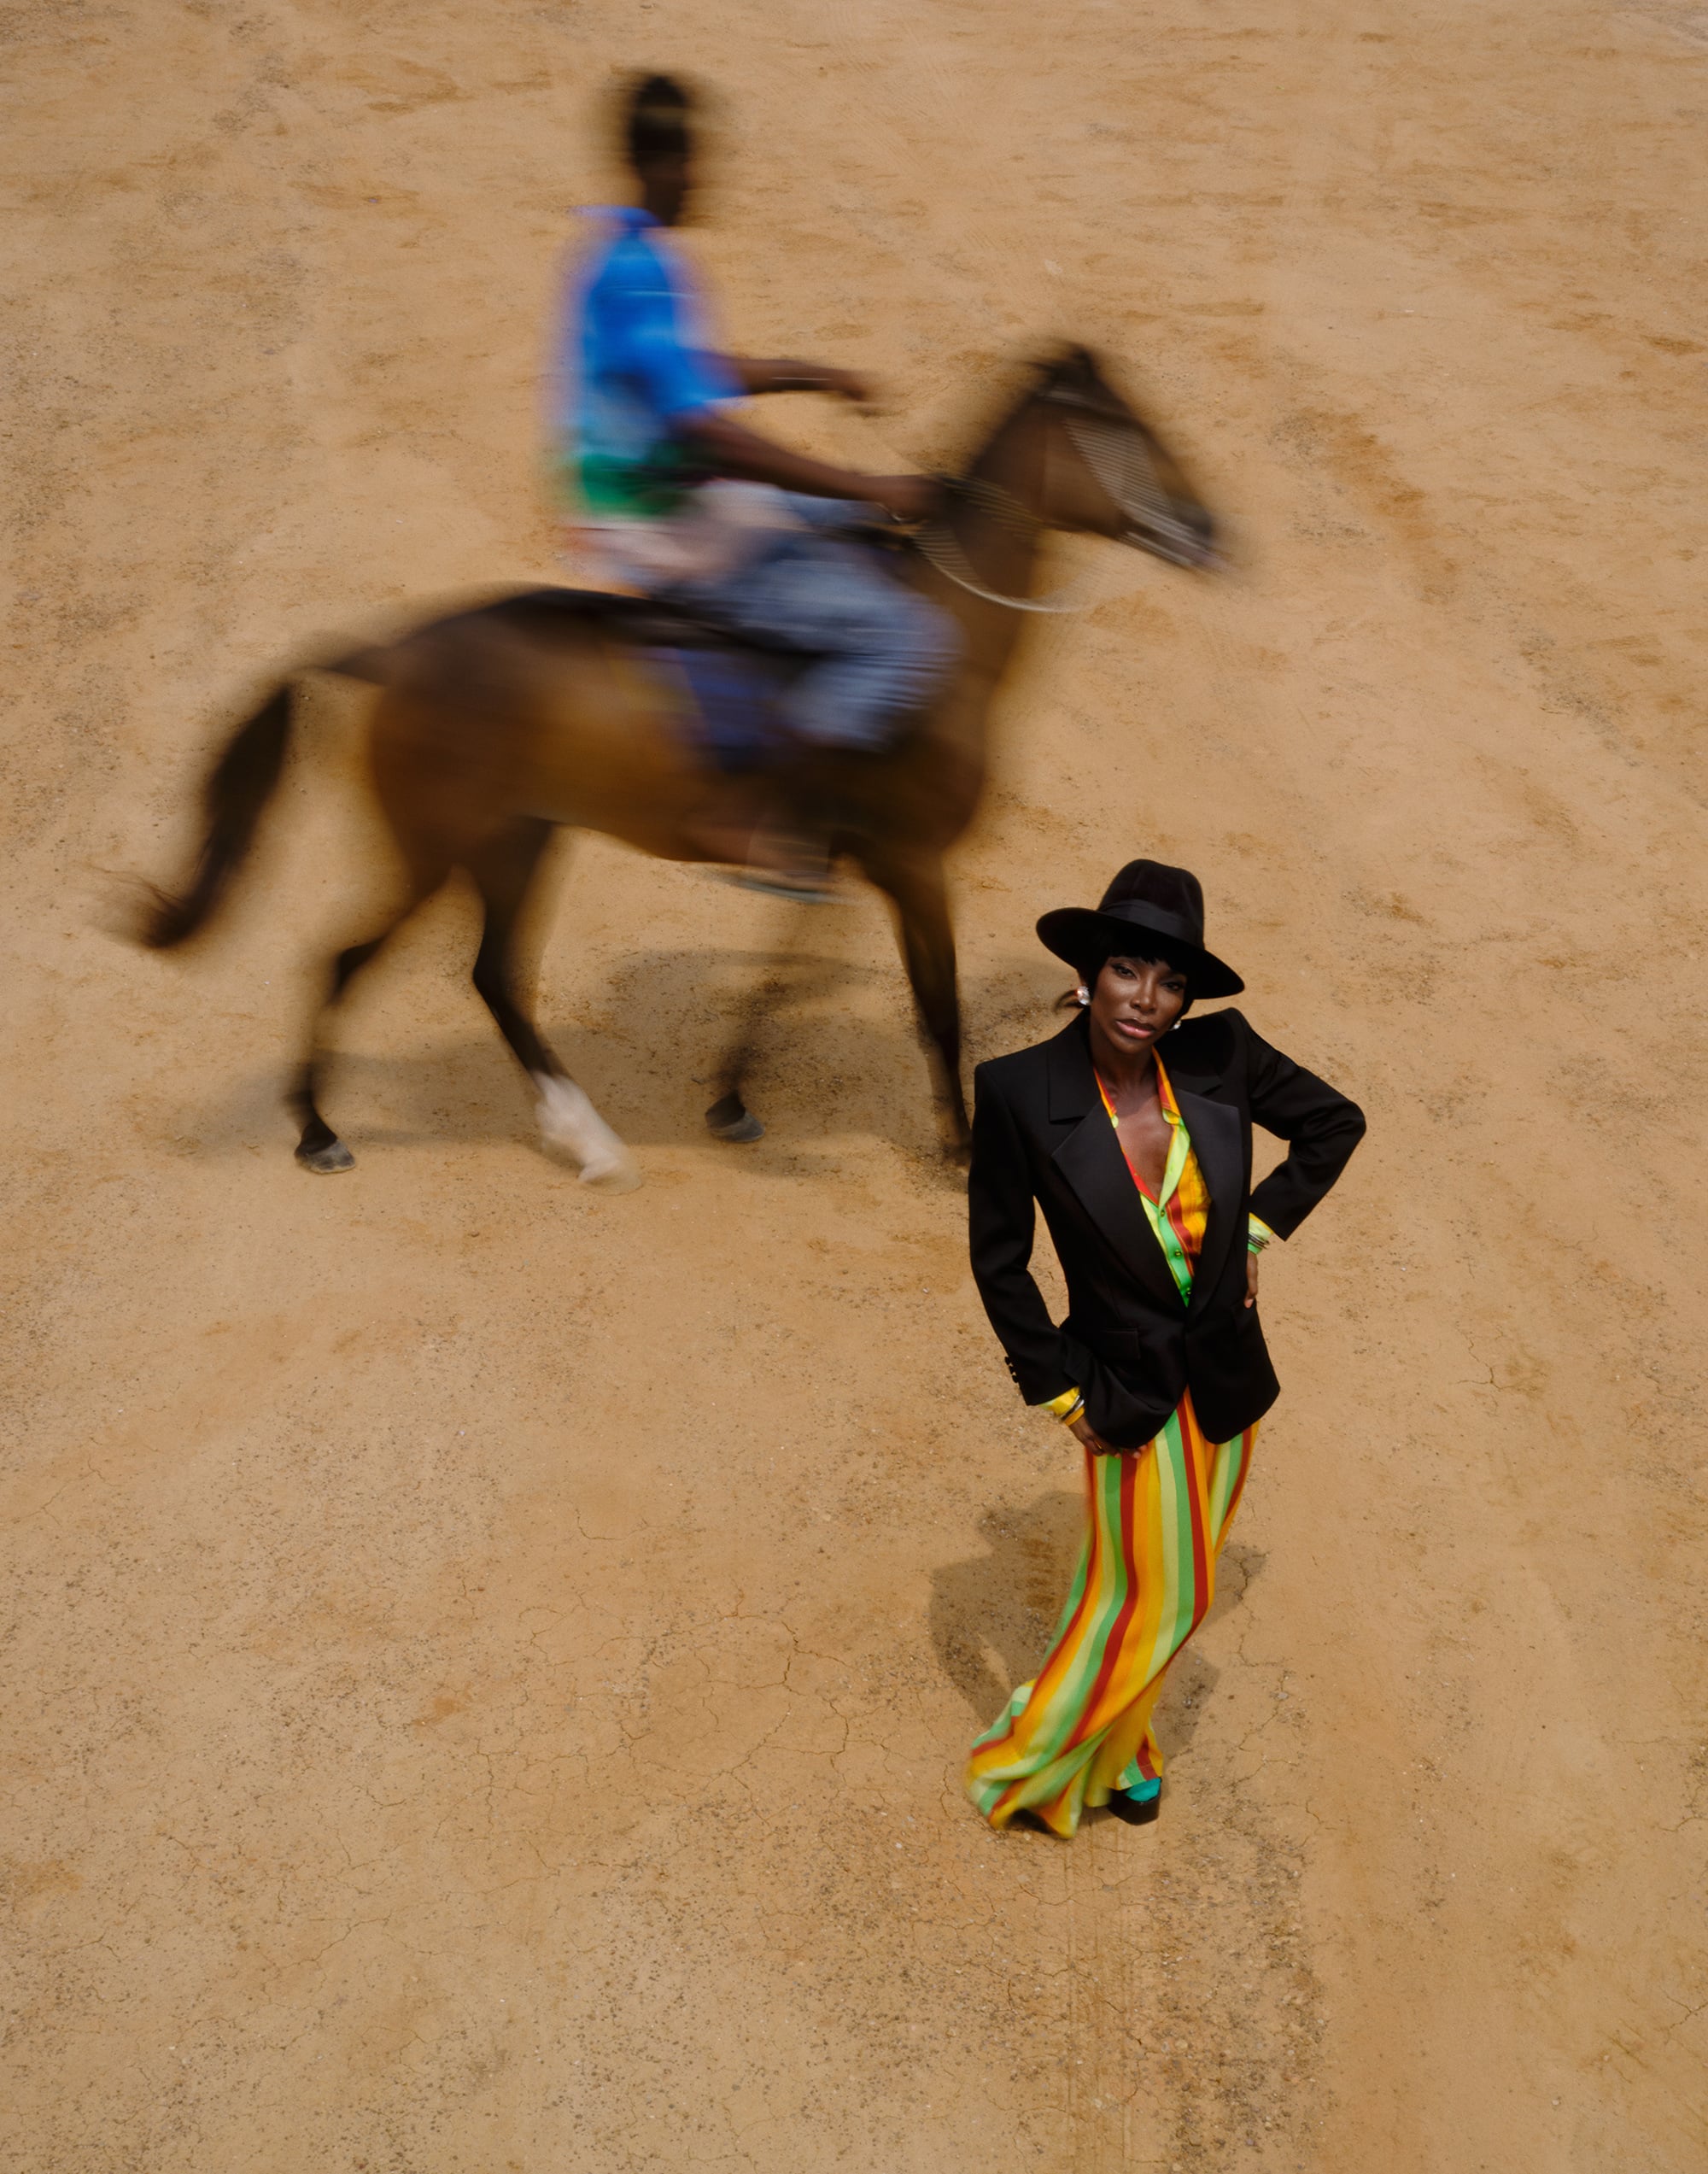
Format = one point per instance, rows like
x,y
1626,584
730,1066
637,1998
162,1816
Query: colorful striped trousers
x,y
1147,1574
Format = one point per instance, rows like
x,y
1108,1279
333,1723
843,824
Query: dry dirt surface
x,y
489,1667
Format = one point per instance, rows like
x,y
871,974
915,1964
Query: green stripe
x,y
1073,1690
1178,1266
1230,1456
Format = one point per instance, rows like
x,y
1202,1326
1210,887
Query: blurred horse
x,y
498,724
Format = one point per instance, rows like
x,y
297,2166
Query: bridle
x,y
1118,454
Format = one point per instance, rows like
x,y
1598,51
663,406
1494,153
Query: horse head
x,y
1105,471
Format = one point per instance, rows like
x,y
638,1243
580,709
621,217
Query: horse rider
x,y
688,506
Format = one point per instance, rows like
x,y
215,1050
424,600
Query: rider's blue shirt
x,y
633,360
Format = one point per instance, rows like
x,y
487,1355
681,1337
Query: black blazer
x,y
1040,1133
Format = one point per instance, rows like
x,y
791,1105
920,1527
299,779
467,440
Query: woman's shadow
x,y
1006,1603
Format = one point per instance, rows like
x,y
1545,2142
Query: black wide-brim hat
x,y
1147,898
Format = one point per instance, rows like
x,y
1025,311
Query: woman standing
x,y
1141,1165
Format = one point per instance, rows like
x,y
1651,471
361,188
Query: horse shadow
x,y
1007,1603
824,1067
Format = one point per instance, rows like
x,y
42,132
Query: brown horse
x,y
499,723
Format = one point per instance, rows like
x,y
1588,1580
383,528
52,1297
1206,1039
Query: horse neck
x,y
1001,551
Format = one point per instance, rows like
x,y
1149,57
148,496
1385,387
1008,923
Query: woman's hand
x,y
1251,1260
1082,1428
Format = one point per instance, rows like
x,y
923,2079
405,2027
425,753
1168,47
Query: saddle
x,y
729,689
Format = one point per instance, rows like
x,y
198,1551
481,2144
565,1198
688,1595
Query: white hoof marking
x,y
570,1126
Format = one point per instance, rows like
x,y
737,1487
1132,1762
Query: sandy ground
x,y
488,1669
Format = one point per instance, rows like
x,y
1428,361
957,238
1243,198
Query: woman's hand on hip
x,y
1088,1435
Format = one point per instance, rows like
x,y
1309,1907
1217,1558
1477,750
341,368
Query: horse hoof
x,y
746,1127
731,1119
325,1162
612,1177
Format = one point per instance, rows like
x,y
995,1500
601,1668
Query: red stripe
x,y
1190,1236
1200,1566
1177,1222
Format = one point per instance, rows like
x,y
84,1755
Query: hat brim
x,y
1079,934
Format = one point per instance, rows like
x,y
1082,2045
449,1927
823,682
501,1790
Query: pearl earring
x,y
1082,995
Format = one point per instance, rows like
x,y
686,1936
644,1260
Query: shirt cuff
x,y
1258,1234
1067,1406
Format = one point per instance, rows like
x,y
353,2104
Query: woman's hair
x,y
655,117
1149,946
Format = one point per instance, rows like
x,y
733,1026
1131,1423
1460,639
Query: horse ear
x,y
1072,366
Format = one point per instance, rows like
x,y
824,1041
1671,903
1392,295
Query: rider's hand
x,y
849,383
905,498
1082,1428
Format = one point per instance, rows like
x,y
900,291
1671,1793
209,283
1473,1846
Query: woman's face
x,y
1134,1003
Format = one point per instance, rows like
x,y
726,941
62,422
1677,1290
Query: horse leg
x,y
320,1149
915,883
504,872
729,1118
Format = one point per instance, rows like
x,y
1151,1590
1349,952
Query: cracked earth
x,y
488,1670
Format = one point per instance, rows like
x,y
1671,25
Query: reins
x,y
938,544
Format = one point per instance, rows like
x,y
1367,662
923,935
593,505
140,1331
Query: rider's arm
x,y
688,386
730,448
755,376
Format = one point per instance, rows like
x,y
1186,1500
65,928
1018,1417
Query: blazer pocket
x,y
1113,1345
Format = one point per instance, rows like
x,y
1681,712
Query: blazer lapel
x,y
1092,1161
1071,1083
1216,1135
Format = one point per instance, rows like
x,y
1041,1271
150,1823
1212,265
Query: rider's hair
x,y
656,110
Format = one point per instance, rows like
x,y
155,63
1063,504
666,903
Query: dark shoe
x,y
1136,1811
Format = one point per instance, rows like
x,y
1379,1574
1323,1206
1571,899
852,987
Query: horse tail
x,y
233,798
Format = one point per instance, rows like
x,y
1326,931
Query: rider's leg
x,y
832,516
880,651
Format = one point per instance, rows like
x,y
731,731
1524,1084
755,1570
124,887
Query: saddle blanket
x,y
731,713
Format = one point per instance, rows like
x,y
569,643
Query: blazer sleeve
x,y
1321,1128
1001,1225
